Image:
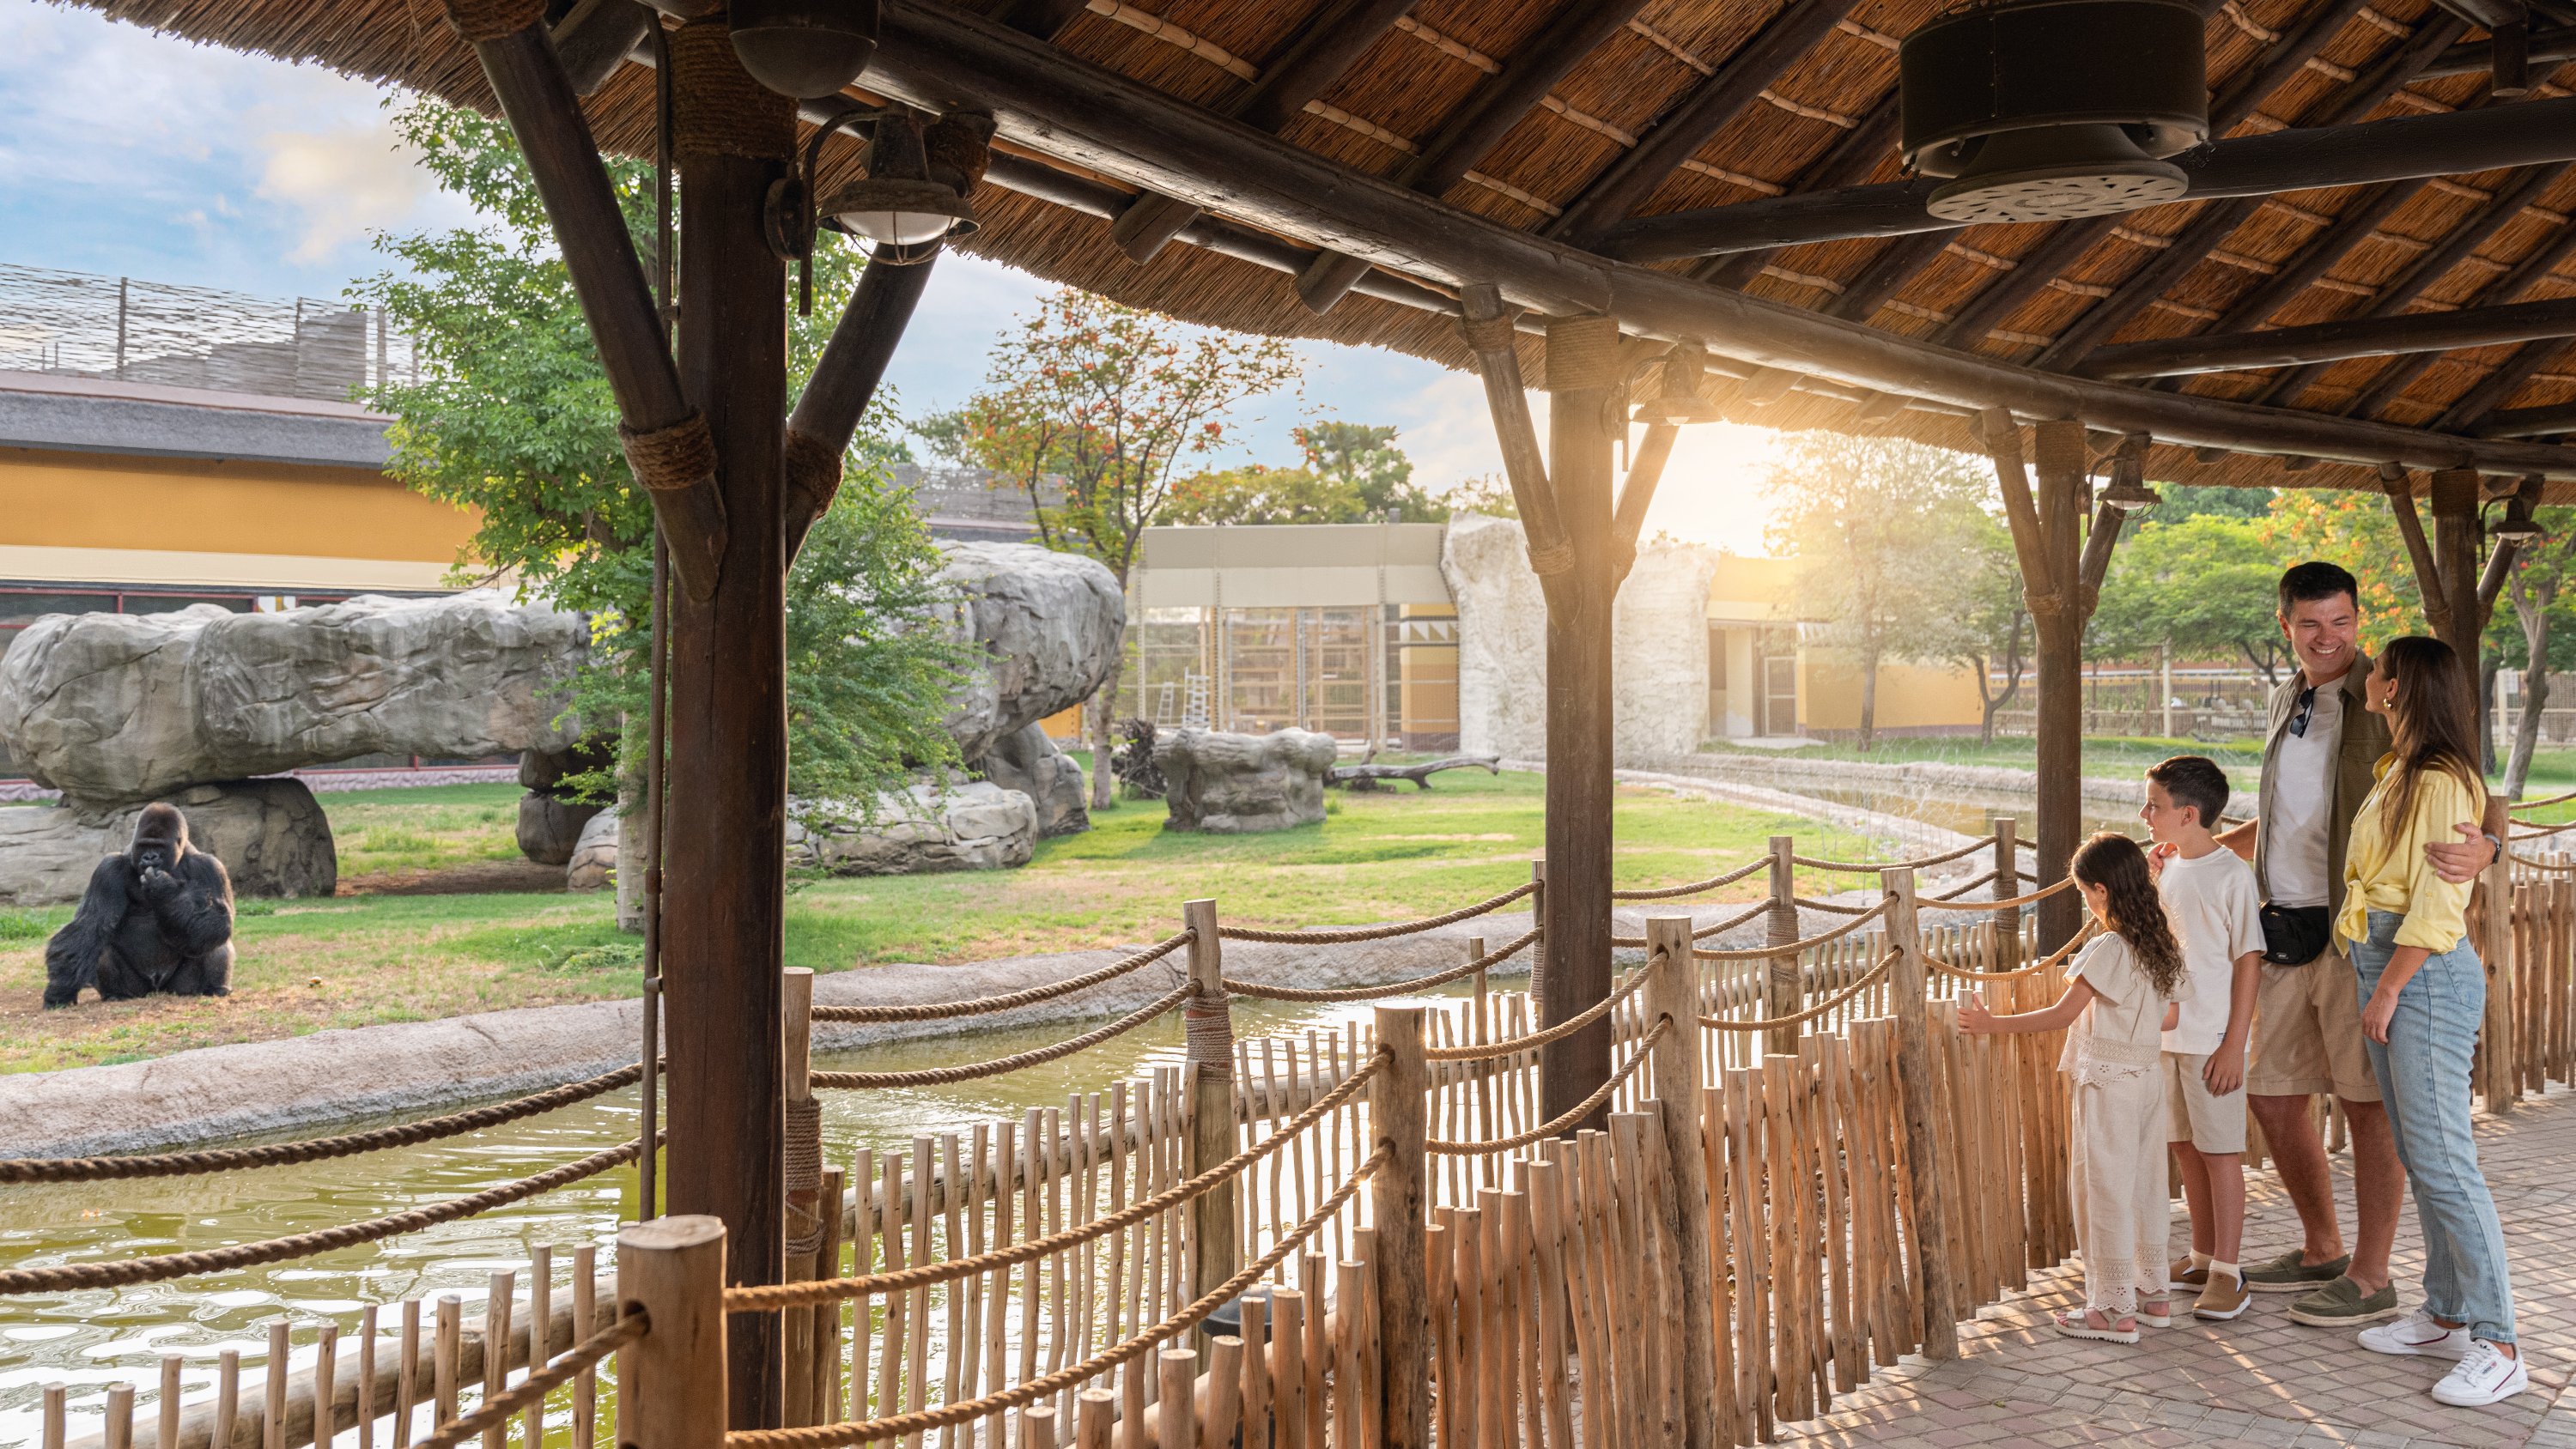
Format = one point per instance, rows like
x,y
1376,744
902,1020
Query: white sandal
x,y
2150,1319
2078,1325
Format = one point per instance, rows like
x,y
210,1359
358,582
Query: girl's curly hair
x,y
2137,910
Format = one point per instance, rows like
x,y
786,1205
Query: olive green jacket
x,y
2363,740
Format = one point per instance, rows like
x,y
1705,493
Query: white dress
x,y
2116,1163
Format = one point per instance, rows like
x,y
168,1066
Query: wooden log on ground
x,y
1369,776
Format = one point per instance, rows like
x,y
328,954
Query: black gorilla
x,y
157,918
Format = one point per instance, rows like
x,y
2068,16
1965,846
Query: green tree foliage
x,y
2181,502
1490,495
2207,586
512,418
2540,602
1985,630
1352,473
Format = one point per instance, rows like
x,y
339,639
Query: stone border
x,y
1790,771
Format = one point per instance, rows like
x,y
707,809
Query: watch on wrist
x,y
2497,847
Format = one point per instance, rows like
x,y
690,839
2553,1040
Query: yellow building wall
x,y
1063,725
1427,682
1910,696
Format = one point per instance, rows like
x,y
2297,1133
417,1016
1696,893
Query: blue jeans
x,y
2423,1076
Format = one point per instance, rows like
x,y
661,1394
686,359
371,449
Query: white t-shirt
x,y
2216,913
2297,799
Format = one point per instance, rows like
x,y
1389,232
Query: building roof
x,y
98,415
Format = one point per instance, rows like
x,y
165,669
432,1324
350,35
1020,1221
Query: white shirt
x,y
2296,801
2216,914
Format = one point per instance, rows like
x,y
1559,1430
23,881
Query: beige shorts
x,y
2307,1032
2192,1113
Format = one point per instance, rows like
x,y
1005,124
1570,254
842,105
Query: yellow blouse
x,y
2385,869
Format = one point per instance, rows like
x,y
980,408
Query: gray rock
x,y
593,866
550,829
1030,763
271,836
46,854
1048,624
972,826
1228,784
125,707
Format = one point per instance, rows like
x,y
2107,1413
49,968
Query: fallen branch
x,y
1366,777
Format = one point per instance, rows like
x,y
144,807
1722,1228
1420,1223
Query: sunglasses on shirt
x,y
2306,711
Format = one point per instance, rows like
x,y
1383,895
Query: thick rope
x,y
922,1421
1357,934
1666,893
1937,903
532,1391
1489,1051
1582,352
1867,979
2550,800
484,20
129,1271
801,1158
2042,964
717,108
1574,1114
282,1154
1828,907
813,472
943,1076
1371,993
1957,891
987,1005
672,459
771,1296
2537,829
1491,334
2541,865
1971,848
1704,932
1765,953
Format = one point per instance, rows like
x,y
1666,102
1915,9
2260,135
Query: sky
x,y
129,153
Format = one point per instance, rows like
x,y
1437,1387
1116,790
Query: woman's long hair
x,y
2432,723
2136,908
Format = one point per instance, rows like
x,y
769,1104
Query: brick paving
x,y
2261,1379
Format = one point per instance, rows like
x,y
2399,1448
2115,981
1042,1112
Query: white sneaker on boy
x,y
2416,1333
2483,1376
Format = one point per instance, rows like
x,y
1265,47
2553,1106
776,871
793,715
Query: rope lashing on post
x,y
482,20
1572,1115
1867,979
1355,935
772,1296
283,1154
987,1005
1943,903
1513,1046
2042,964
669,460
128,1271
944,1076
922,1421
1867,866
801,1156
1765,953
1371,993
493,1412
1666,893
1704,932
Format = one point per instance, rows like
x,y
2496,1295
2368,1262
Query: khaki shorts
x,y
2307,1032
2210,1123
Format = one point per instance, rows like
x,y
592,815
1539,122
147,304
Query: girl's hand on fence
x,y
2375,1014
1974,1018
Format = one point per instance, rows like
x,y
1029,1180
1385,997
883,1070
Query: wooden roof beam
x,y
1850,159
2473,57
2540,422
2334,341
937,58
2535,265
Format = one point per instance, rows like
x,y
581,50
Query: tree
x,y
512,418
1878,524
1490,495
1365,461
2206,587
1258,494
1103,402
2541,570
1986,628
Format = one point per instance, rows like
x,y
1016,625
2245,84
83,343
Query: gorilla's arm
x,y
72,956
194,904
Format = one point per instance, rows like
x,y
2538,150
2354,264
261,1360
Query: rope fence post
x,y
801,1154
1780,990
1538,950
2501,1059
671,1381
1672,994
1399,1216
1210,1032
1905,990
2007,922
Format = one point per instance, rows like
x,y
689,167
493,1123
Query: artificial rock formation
x,y
1030,763
550,819
1228,784
592,865
1048,626
975,825
271,836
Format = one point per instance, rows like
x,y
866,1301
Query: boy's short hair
x,y
2196,781
2317,579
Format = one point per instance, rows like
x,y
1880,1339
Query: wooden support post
x,y
2493,910
724,880
1399,1216
2455,558
1782,990
1538,948
1582,373
1487,326
1672,993
671,1382
2058,451
801,1213
1936,1293
2007,922
1213,1254
843,382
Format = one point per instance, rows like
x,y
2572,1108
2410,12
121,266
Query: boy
x,y
2216,908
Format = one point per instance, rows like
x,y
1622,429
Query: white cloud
x,y
343,183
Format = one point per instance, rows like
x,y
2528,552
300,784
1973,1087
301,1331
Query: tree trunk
x,y
2534,613
1102,715
1869,701
634,851
2487,665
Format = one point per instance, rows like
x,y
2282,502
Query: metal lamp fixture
x,y
2128,492
808,49
899,205
1678,398
2517,526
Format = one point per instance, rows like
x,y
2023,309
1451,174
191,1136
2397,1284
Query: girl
x,y
2423,995
2131,978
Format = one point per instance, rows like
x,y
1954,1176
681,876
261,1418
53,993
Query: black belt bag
x,y
2295,935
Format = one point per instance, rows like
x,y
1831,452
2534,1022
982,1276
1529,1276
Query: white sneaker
x,y
2483,1376
2417,1333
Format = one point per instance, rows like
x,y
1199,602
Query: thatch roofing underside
x,y
2368,247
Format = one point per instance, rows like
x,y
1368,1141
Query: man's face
x,y
2165,820
2325,634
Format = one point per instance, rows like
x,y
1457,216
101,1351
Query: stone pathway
x,y
2261,1379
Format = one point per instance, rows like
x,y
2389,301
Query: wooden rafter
x,y
2332,341
2534,266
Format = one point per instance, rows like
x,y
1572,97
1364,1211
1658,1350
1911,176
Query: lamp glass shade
x,y
2129,495
1678,398
899,213
2518,530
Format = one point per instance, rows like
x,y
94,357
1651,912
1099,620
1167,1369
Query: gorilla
x,y
157,918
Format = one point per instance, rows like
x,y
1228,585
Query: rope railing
x,y
772,1296
1018,1061
2549,800
1873,866
1666,893
500,1409
15,1170
1867,979
2540,830
1828,907
1704,932
127,1271
1370,993
987,1005
1943,903
1354,935
1952,894
1572,1115
2551,867
922,1421
1765,953
2051,959
1513,1046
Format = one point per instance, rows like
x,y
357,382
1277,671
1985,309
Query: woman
x,y
2423,997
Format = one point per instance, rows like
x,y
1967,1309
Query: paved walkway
x,y
2261,1379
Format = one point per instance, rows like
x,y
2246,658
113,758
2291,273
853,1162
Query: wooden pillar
x,y
801,1211
724,876
1672,993
1782,989
1538,948
2455,560
1399,1216
1582,371
1938,1294
2058,452
671,1382
2007,922
1210,1054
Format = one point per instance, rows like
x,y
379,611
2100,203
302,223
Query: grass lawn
x,y
378,957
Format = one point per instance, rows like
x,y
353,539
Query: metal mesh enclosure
x,y
84,325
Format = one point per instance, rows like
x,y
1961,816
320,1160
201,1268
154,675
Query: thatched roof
x,y
1819,121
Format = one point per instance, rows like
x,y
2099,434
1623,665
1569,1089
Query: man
x,y
2318,757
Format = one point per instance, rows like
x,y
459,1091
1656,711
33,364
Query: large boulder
x,y
593,865
1030,763
1048,626
1228,784
550,829
972,826
271,836
125,707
